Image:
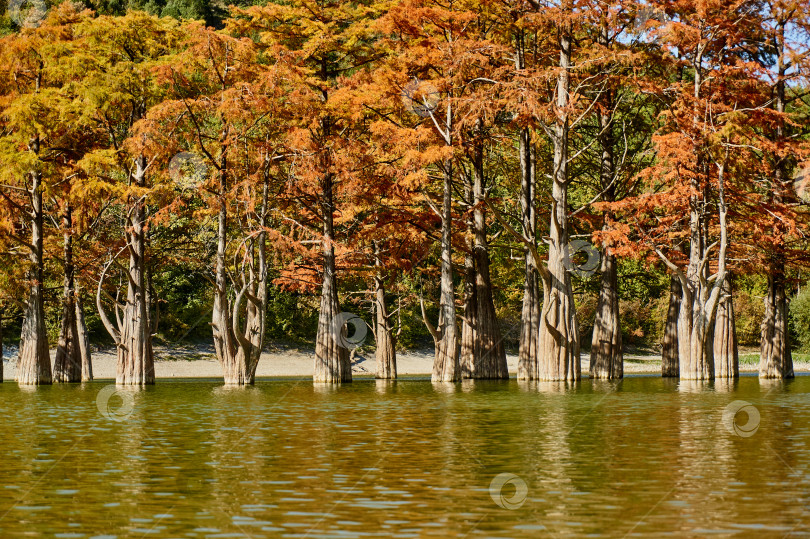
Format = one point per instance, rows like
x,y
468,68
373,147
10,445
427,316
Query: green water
x,y
642,457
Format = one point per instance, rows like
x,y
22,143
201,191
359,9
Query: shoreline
x,y
199,361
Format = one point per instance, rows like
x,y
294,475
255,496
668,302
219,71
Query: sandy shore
x,y
199,361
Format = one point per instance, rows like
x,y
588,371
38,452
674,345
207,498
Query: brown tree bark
x,y
83,342
332,364
67,365
239,349
726,354
607,357
528,359
133,331
669,343
446,367
385,353
482,351
559,349
776,359
34,362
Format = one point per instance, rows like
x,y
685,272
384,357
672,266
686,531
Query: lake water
x,y
640,457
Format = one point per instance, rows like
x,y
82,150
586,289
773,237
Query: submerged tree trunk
x,y
133,332
385,352
239,349
446,366
332,364
83,342
607,359
67,366
776,360
559,333
34,362
669,344
528,359
486,357
726,354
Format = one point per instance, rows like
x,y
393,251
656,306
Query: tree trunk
x,y
528,360
726,355
332,364
132,333
239,350
67,366
484,356
135,357
559,334
385,352
607,359
83,342
776,360
669,344
446,361
34,362
700,296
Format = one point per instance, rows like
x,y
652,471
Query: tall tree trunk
x,y
446,366
67,366
700,296
34,362
607,357
559,333
726,354
83,342
239,349
776,359
486,358
385,352
132,333
135,358
669,344
607,360
332,364
528,358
